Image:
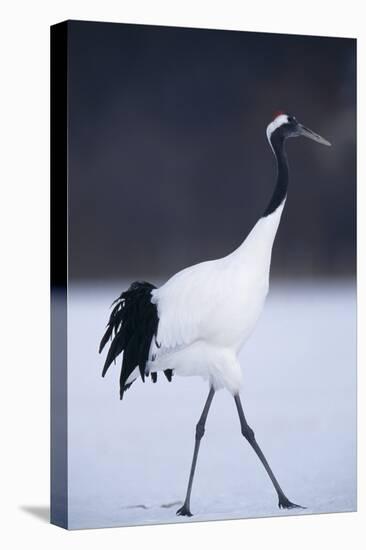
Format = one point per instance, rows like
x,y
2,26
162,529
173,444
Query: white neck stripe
x,y
276,123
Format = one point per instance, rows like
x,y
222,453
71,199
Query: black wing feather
x,y
132,325
169,374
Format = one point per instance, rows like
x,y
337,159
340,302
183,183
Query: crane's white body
x,y
207,311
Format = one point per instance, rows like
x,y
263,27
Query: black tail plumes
x,y
131,327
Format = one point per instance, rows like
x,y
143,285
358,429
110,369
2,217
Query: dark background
x,y
168,159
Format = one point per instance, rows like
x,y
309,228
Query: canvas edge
x,y
59,251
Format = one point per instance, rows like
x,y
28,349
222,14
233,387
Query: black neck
x,y
280,191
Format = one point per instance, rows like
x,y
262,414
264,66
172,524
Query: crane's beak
x,y
303,131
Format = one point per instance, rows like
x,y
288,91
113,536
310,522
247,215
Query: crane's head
x,y
284,126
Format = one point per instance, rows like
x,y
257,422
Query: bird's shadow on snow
x,y
40,512
147,507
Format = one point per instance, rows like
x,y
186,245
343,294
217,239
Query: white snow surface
x,y
129,461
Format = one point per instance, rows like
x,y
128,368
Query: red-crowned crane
x,y
196,323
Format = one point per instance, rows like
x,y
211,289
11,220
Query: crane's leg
x,y
246,430
200,430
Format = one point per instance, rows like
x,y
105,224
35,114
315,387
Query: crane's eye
x,y
292,120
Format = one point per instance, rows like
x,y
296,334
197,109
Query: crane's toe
x,y
285,503
184,511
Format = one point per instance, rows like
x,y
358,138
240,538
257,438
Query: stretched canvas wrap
x,y
203,274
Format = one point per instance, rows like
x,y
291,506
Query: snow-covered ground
x,y
129,461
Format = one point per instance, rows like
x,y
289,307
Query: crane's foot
x,y
284,502
184,511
